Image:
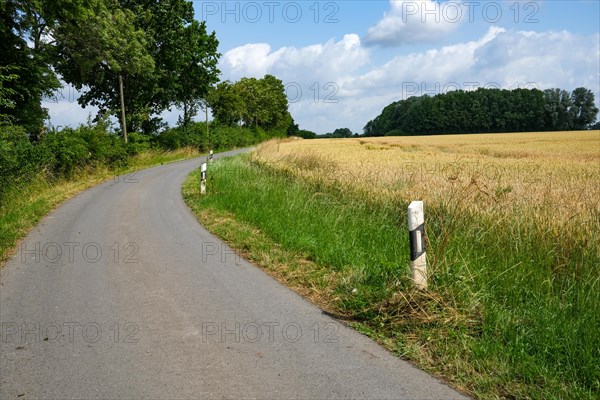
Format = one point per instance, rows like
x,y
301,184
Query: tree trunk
x,y
123,120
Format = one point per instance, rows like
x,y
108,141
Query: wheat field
x,y
553,177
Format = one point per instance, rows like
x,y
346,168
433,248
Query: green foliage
x,y
27,76
254,102
226,103
95,51
7,94
293,129
584,109
339,134
304,134
193,136
486,110
138,143
164,56
58,154
64,152
15,156
220,137
195,71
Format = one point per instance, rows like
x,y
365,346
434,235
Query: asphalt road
x,y
120,293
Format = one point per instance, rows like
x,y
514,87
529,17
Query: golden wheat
x,y
554,177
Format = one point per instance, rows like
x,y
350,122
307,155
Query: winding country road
x,y
120,293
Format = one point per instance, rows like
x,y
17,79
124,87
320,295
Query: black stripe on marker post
x,y
203,178
416,233
417,242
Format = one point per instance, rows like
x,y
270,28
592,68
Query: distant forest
x,y
486,111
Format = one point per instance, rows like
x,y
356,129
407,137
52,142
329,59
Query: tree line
x,y
132,59
152,52
487,111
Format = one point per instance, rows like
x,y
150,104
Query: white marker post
x,y
210,157
203,179
416,232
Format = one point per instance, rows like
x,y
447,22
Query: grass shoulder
x,y
491,324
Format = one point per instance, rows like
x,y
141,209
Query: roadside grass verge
x,y
24,205
512,308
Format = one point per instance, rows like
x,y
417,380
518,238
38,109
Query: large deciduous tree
x,y
26,28
101,51
183,60
557,107
195,69
255,102
583,109
226,103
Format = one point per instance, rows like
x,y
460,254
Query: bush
x,y
65,151
304,134
15,156
138,143
104,148
175,138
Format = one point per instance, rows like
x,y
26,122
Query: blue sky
x,y
343,61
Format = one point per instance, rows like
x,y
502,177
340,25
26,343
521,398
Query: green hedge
x,y
63,154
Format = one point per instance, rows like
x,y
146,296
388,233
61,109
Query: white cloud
x,y
66,113
422,21
334,84
328,61
500,58
506,59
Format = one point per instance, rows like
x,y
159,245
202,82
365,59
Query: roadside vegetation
x,y
512,224
35,177
133,61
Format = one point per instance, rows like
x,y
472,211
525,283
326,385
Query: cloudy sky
x,y
343,61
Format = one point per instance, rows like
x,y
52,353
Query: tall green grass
x,y
512,311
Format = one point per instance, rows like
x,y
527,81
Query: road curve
x,y
120,293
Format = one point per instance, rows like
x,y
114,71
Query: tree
x,y
584,110
557,108
226,103
342,132
164,57
275,102
293,129
103,52
173,47
7,101
304,134
255,102
26,28
486,110
196,69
